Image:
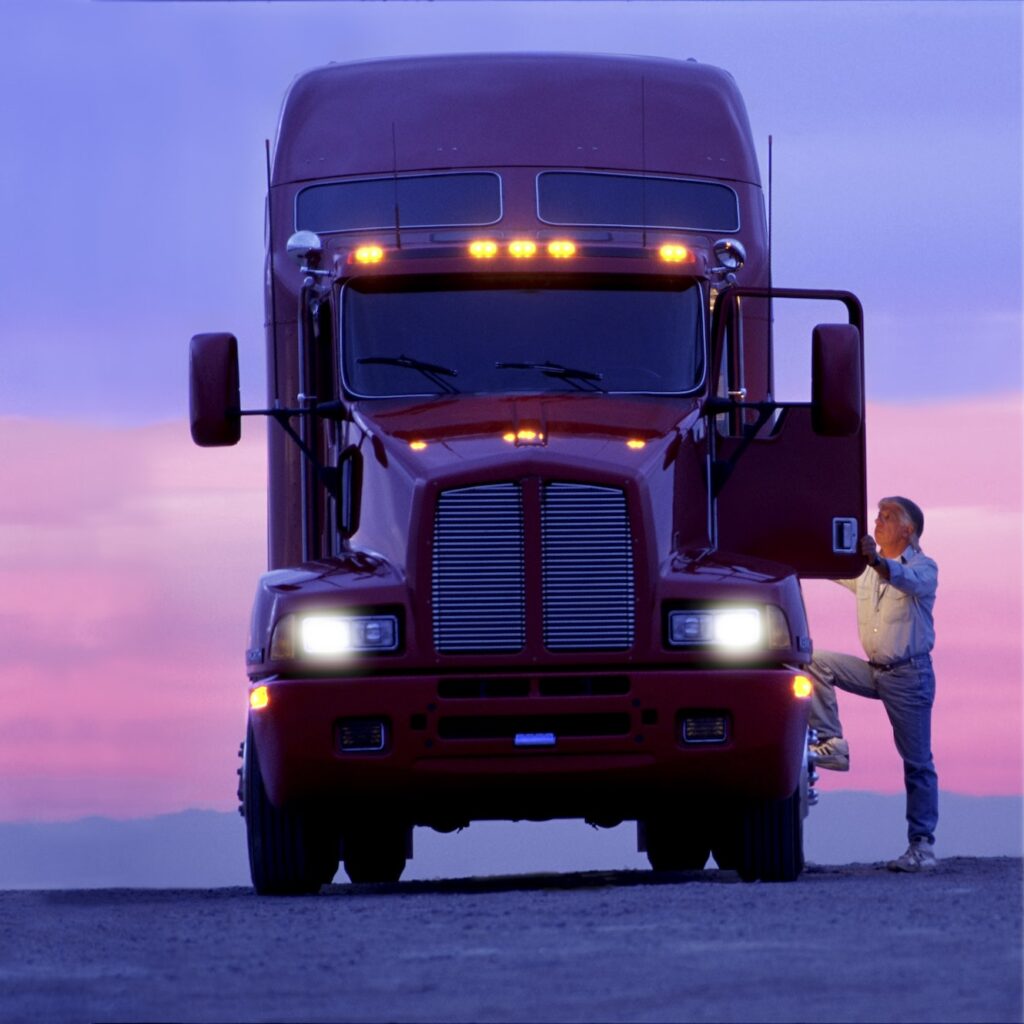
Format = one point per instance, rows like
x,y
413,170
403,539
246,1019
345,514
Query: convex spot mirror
x,y
214,403
837,394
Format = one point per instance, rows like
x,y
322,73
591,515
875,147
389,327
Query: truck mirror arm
x,y
721,469
327,475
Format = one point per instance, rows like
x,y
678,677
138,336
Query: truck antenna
x,y
643,156
394,164
270,257
771,304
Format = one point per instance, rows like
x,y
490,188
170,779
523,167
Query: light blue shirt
x,y
894,616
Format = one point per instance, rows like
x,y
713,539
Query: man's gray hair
x,y
911,514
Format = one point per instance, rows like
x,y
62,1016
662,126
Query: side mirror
x,y
350,489
214,402
837,396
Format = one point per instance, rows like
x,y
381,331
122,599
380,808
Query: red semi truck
x,y
536,519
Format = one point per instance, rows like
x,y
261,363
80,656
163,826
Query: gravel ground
x,y
853,943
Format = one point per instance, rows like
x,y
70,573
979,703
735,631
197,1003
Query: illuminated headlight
x,y
732,628
326,636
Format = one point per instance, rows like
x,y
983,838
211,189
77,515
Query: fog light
x,y
354,735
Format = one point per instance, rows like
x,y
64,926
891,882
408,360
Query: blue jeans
x,y
907,693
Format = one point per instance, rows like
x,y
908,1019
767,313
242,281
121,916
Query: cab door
x,y
789,479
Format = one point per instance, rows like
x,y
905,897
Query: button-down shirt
x,y
894,616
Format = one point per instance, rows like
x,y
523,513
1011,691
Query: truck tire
x,y
375,851
291,851
771,847
676,846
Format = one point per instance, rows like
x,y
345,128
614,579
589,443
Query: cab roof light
x,y
673,252
417,446
522,248
483,249
636,443
368,254
561,249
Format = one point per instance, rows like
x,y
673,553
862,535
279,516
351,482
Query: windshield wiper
x,y
566,373
434,373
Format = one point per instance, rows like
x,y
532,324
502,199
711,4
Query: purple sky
x,y
133,171
133,184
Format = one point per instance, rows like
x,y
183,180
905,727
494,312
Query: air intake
x,y
587,565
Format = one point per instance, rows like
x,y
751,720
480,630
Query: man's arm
x,y
918,577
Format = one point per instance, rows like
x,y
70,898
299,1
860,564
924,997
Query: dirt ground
x,y
853,943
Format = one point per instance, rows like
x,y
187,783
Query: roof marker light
x,y
259,698
672,252
417,446
561,249
369,254
483,249
636,443
522,248
510,437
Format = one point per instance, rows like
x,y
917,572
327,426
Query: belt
x,y
879,667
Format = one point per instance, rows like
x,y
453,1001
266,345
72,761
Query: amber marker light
x,y
483,249
259,698
671,252
417,446
561,249
369,254
510,437
522,249
636,444
802,687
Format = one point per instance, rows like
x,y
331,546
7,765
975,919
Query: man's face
x,y
892,531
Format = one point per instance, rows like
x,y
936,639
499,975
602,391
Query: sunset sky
x,y
133,180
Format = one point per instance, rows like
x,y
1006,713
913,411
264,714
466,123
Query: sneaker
x,y
919,857
832,753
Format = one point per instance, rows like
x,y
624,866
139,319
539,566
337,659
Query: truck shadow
x,y
536,882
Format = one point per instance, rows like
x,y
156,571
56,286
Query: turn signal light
x,y
561,249
802,687
483,249
259,698
369,254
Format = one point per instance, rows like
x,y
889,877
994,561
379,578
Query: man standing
x,y
895,598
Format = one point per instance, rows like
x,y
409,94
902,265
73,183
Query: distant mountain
x,y
206,849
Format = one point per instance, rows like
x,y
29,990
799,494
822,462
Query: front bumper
x,y
597,745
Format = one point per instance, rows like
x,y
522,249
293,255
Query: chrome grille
x,y
587,566
479,603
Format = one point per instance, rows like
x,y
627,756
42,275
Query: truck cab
x,y
536,521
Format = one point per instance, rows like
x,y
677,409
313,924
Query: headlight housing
x,y
729,628
329,635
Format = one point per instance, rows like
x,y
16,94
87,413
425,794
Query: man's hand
x,y
868,548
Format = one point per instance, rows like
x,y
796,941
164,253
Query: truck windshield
x,y
439,335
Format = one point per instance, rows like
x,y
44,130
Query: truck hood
x,y
431,436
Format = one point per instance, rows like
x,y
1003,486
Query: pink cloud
x,y
128,561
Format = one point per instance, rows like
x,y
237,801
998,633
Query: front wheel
x,y
291,850
771,840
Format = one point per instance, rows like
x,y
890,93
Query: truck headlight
x,y
332,635
733,629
